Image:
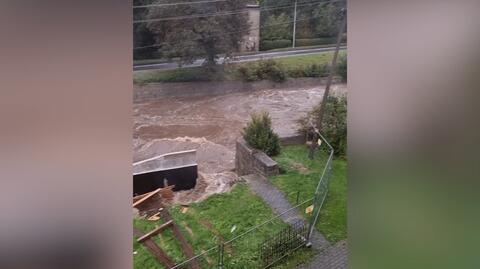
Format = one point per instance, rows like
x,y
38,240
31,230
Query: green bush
x,y
342,68
313,70
334,126
275,44
247,73
263,69
272,70
334,123
316,41
259,134
296,72
316,70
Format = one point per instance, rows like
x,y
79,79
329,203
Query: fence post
x,y
311,221
220,256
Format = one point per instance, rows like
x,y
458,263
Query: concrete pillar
x,y
251,42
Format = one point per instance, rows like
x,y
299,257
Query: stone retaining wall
x,y
292,140
252,161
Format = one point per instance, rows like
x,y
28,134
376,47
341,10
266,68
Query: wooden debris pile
x,y
152,207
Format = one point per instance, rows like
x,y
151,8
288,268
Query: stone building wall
x,y
251,42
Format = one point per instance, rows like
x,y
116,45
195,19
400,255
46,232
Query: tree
x,y
195,31
142,36
327,19
277,27
259,134
270,7
334,124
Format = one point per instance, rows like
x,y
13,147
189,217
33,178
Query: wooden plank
x,y
154,217
155,231
150,195
138,197
157,252
152,211
187,249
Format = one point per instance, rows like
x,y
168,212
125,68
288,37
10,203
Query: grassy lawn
x,y
198,74
175,75
306,60
301,176
209,222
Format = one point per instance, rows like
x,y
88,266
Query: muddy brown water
x,y
211,125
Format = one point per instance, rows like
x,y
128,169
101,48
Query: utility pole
x,y
294,24
333,66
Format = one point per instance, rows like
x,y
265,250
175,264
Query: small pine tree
x,y
259,134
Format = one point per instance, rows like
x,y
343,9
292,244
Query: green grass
x,y
290,64
175,75
209,222
306,60
301,176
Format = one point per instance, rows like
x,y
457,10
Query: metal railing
x,y
322,187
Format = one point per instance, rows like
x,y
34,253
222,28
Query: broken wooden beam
x,y
155,231
157,252
138,197
146,197
186,247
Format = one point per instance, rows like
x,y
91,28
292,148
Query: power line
x,y
179,3
229,12
234,32
192,16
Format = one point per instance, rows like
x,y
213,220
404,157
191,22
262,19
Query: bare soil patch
x,y
301,168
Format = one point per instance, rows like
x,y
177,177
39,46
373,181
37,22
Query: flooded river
x,y
211,125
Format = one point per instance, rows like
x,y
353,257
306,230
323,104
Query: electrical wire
x,y
230,12
179,4
233,32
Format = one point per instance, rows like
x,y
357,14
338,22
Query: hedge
x,y
300,42
275,44
316,41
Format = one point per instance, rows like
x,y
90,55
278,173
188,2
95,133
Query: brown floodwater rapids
x,y
211,125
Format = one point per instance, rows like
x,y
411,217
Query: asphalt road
x,y
237,59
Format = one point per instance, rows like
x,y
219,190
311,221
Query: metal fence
x,y
273,239
322,187
283,243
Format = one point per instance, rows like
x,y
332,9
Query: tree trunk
x,y
332,71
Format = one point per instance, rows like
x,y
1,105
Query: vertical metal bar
x,y
294,25
220,258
